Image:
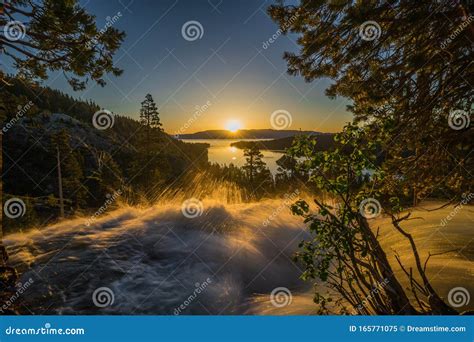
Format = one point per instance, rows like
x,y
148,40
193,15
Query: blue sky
x,y
227,67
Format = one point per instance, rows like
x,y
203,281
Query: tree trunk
x,y
437,305
60,186
398,299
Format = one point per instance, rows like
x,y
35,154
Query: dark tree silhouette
x,y
38,36
149,115
258,175
405,77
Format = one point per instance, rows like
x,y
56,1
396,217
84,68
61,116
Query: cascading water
x,y
184,256
156,260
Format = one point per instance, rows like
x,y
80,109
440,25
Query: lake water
x,y
222,153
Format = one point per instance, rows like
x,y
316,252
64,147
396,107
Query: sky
x,y
225,68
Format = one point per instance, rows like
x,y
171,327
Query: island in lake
x,y
325,143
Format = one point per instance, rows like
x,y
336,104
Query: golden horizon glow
x,y
233,125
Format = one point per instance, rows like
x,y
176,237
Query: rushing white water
x,y
228,259
154,260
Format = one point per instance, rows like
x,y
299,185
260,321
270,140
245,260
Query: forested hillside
x,y
42,123
325,143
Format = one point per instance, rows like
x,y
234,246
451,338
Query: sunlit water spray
x,y
226,260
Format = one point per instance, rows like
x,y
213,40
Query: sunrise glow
x,y
233,125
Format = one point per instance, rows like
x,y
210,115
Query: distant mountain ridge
x,y
246,134
325,142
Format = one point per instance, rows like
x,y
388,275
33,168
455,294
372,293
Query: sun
x,y
233,125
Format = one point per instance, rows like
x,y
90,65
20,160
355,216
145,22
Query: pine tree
x,y
257,173
58,35
150,119
149,115
405,78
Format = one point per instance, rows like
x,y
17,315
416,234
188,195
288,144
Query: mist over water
x,y
154,259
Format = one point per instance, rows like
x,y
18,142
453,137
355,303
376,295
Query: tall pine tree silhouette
x,y
149,117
